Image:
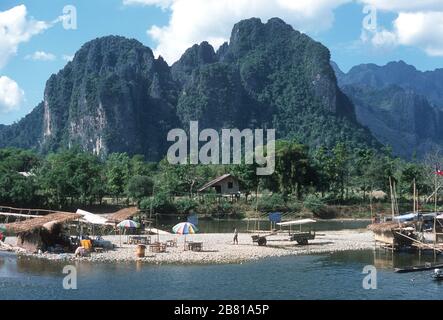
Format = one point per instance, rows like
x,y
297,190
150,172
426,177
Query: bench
x,y
194,246
157,247
171,243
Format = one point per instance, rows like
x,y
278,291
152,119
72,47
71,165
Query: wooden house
x,y
225,185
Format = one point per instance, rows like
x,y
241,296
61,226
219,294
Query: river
x,y
325,276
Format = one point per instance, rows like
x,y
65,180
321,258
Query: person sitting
x,y
80,252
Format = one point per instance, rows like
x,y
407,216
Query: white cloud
x,y
384,39
16,28
423,30
419,23
161,3
405,5
68,57
11,96
41,56
193,21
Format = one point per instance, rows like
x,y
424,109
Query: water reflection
x,y
382,259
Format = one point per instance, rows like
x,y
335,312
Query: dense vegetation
x,y
303,180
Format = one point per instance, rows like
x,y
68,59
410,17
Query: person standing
x,y
235,236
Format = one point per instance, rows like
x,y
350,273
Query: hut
x,y
122,214
225,185
393,234
43,232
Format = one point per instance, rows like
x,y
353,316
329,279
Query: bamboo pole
x,y
422,243
370,205
392,198
435,234
414,205
435,195
395,197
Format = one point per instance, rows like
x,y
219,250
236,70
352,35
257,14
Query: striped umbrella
x,y
128,224
184,228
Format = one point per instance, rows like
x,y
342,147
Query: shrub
x,y
313,203
272,202
139,187
160,203
319,208
185,205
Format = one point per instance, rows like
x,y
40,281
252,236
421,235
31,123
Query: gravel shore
x,y
219,248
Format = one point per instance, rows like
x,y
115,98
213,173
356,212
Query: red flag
x,y
439,172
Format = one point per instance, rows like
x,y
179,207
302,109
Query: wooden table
x,y
171,243
139,240
194,246
157,247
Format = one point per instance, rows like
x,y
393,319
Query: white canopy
x,y
93,218
296,222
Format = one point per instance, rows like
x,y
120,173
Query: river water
x,y
325,276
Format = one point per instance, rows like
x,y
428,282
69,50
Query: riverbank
x,y
219,249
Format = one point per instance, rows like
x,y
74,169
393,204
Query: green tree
x,y
139,187
69,177
293,169
117,174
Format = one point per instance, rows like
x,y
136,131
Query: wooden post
x,y
435,195
414,206
435,235
392,198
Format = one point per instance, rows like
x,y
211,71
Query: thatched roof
x,y
40,222
388,226
123,214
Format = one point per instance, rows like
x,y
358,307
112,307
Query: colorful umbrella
x,y
185,228
128,224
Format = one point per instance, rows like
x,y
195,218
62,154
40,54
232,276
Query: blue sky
x,y
170,26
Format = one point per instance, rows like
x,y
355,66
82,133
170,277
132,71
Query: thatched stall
x,y
123,214
42,232
393,233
